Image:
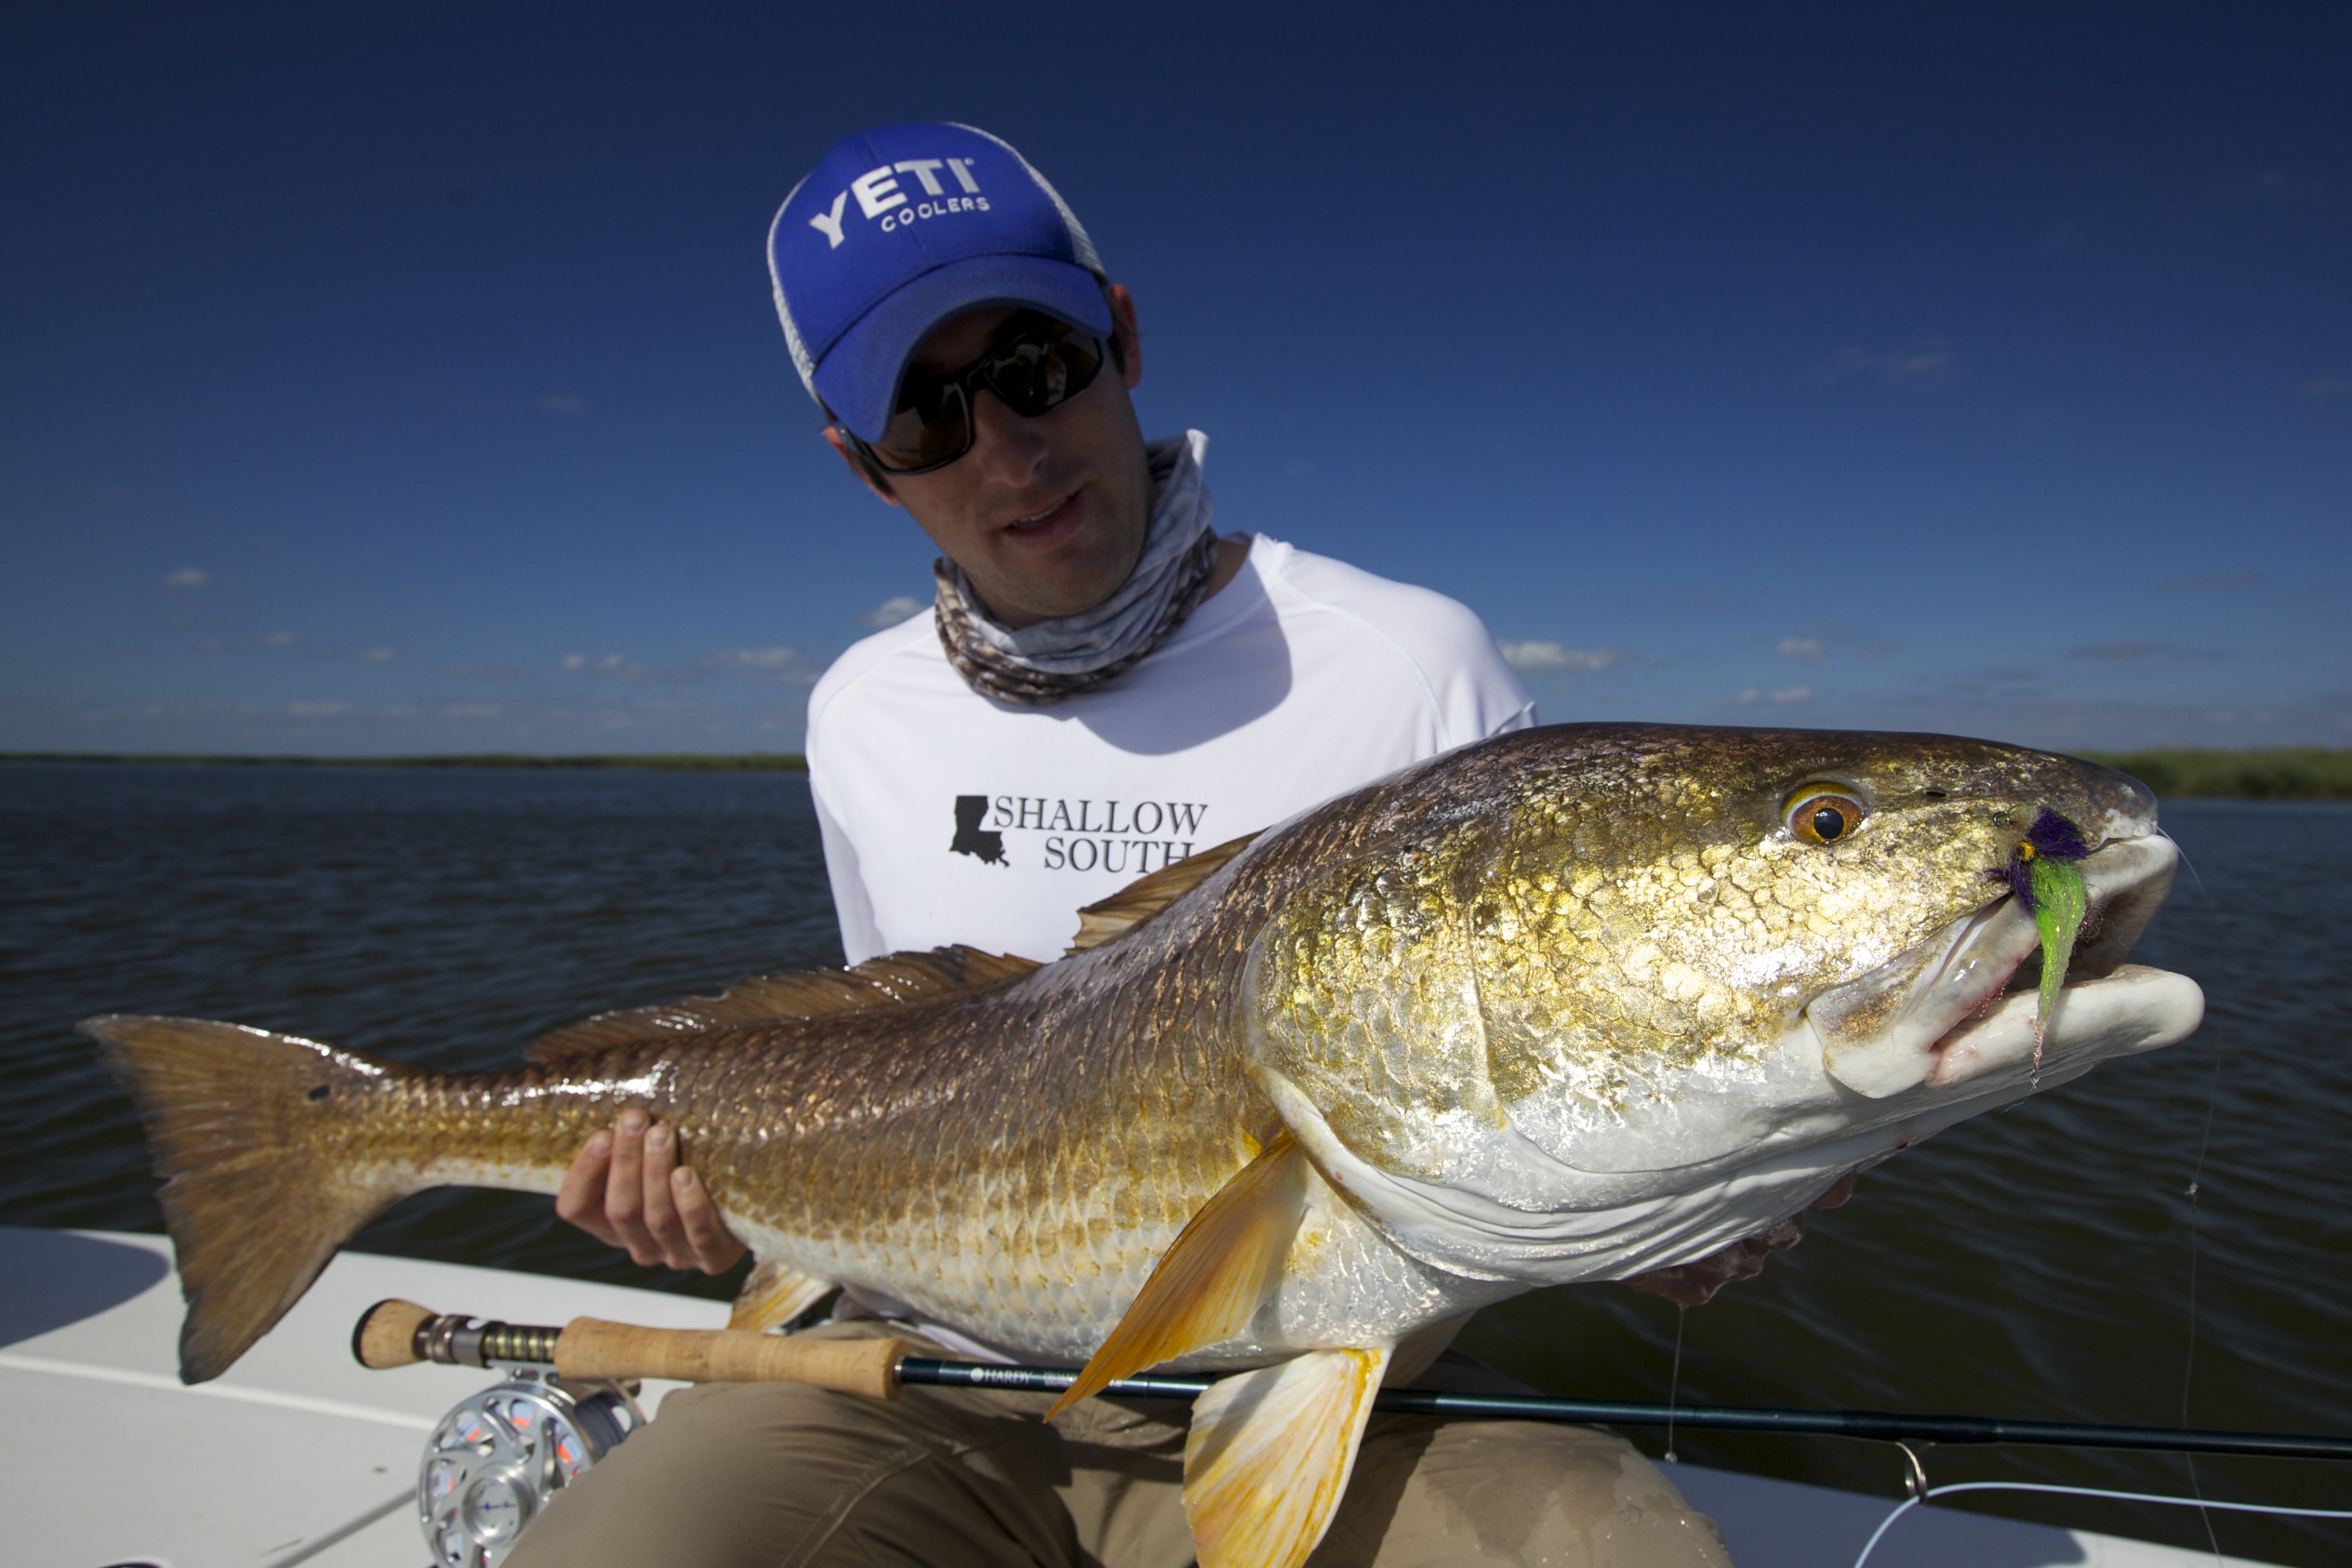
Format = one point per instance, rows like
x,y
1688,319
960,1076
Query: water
x,y
2033,1264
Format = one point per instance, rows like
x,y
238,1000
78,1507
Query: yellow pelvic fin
x,y
878,982
1209,1284
1270,1453
773,1294
1106,920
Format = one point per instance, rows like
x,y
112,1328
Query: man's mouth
x,y
1047,525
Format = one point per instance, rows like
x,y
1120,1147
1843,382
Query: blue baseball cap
x,y
900,228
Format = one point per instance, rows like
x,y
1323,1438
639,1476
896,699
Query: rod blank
x,y
1878,1425
400,1334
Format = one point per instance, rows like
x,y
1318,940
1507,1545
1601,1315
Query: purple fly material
x,y
2050,835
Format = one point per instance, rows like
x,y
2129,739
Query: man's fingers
x,y
715,1247
1838,1192
625,1188
661,1211
580,1201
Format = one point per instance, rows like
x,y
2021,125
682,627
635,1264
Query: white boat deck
x,y
300,1456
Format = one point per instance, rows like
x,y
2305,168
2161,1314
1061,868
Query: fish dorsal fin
x,y
1208,1285
774,1294
878,982
1106,920
1270,1453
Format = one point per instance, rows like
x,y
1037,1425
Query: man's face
x,y
1046,516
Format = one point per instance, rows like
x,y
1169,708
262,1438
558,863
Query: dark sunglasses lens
x,y
930,426
1042,368
1036,376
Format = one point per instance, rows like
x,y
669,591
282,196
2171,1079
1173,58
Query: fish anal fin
x,y
1270,1453
1209,1283
774,1294
1106,920
878,982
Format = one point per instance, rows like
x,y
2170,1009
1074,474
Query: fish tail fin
x,y
238,1124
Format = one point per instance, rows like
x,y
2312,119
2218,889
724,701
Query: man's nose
x,y
1008,447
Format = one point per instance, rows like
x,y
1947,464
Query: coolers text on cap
x,y
880,196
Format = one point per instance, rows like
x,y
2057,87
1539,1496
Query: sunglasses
x,y
1036,363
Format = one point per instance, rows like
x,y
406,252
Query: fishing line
x,y
2195,1213
1909,1503
2183,852
2188,1357
1674,1381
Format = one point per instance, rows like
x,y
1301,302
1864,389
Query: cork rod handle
x,y
386,1334
591,1348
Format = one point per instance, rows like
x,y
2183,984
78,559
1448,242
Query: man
x,y
1105,686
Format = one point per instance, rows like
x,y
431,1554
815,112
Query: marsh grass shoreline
x,y
2285,773
2288,772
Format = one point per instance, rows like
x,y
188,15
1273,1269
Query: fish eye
x,y
1819,815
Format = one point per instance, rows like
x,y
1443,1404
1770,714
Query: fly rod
x,y
402,1334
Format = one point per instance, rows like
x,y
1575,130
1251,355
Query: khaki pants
x,y
776,1475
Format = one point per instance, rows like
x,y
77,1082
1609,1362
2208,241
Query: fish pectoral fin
x,y
765,999
1270,1453
1106,920
774,1294
1208,1285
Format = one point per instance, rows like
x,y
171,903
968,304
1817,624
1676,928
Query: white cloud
x,y
1754,694
188,577
377,656
891,611
563,403
1804,647
2133,650
280,639
472,711
317,710
1554,656
2327,386
610,664
788,665
1792,693
1930,364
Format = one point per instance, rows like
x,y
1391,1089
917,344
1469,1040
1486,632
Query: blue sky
x,y
405,380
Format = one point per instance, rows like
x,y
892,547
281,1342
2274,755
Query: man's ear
x,y
1130,338
861,465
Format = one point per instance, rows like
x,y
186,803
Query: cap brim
x,y
859,377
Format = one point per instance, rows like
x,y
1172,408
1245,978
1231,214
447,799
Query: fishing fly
x,y
2042,874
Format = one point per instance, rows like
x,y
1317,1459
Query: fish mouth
x,y
1960,1004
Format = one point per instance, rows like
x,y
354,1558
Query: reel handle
x,y
398,1333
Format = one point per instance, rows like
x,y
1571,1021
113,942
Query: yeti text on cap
x,y
878,194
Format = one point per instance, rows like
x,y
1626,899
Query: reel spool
x,y
498,1456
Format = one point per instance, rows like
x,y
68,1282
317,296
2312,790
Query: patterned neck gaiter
x,y
1052,659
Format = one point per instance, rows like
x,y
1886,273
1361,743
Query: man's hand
x,y
1695,1284
627,1190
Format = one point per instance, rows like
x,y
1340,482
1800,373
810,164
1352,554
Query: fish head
x,y
1601,969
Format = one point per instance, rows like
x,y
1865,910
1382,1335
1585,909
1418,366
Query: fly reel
x,y
499,1457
